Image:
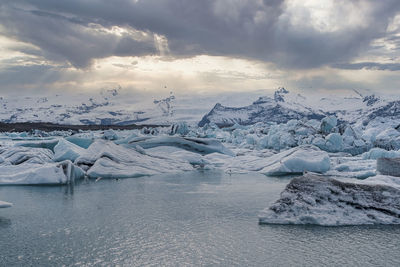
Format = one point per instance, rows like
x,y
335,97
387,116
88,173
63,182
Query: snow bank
x,y
319,200
297,160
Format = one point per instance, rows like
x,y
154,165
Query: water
x,y
195,218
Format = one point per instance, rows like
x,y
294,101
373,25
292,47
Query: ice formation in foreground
x,y
4,204
313,199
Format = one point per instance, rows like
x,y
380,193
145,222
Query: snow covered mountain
x,y
112,106
119,107
265,109
283,106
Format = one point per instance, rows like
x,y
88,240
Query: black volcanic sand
x,y
49,127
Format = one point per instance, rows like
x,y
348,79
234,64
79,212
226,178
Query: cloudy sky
x,y
199,45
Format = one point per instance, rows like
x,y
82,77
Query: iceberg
x,y
83,142
354,167
28,174
297,160
199,145
327,124
4,204
49,144
65,150
110,135
108,160
313,199
376,153
18,155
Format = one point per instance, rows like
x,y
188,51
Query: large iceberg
x,y
106,159
313,199
49,173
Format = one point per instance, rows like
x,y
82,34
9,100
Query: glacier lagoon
x,y
203,193
192,218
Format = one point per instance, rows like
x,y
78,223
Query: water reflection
x,y
195,218
69,190
4,222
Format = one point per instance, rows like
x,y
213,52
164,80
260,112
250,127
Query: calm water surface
x,y
195,218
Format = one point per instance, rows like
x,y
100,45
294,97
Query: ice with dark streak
x,y
313,199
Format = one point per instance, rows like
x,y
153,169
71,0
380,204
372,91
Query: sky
x,y
193,46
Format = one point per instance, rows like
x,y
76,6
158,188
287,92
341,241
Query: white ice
x,y
4,204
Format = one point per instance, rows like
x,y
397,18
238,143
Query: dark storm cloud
x,y
369,66
242,28
73,39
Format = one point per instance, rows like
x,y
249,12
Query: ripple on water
x,y
199,218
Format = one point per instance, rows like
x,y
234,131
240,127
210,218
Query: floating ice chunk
x,y
180,128
49,144
334,142
177,153
96,151
107,168
83,142
319,142
319,200
18,155
110,135
66,150
389,139
29,173
349,136
278,137
109,160
4,204
252,139
327,124
359,143
190,157
198,145
353,167
297,160
126,139
376,153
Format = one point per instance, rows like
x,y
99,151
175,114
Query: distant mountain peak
x,y
370,100
279,94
